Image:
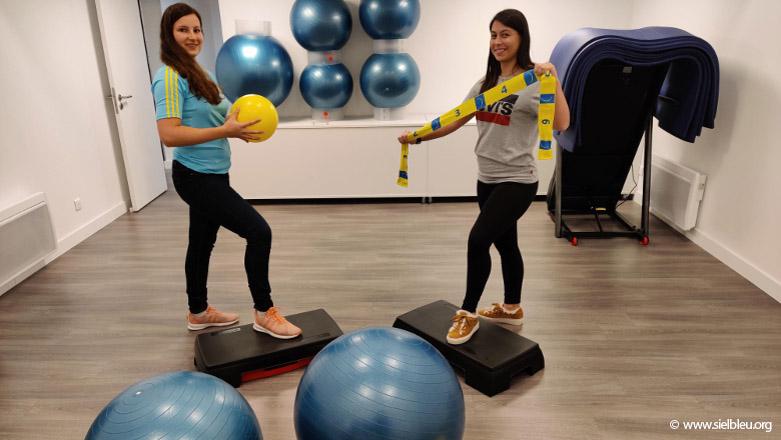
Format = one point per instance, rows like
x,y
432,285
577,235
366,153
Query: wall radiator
x,y
26,239
676,193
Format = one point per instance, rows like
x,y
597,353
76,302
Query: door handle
x,y
122,100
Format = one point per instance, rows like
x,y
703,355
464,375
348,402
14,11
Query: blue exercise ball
x,y
325,86
177,405
389,19
321,25
379,384
254,64
390,80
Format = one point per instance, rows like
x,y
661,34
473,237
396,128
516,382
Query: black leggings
x,y
501,205
213,203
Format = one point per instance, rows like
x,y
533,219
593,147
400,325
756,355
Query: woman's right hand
x,y
235,129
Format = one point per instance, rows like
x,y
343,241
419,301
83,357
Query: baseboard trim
x,y
374,200
74,238
361,200
67,243
739,264
22,275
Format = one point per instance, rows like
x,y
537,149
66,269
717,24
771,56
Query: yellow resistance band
x,y
480,102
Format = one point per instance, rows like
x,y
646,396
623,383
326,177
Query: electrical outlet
x,y
77,204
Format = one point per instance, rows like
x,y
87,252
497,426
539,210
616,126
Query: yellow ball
x,y
253,107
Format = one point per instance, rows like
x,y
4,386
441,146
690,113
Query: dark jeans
x,y
501,205
213,203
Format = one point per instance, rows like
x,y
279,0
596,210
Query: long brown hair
x,y
514,19
174,56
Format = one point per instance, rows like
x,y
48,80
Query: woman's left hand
x,y
543,68
403,138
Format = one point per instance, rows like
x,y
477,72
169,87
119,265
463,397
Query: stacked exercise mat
x,y
614,82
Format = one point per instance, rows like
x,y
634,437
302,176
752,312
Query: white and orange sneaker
x,y
273,323
211,317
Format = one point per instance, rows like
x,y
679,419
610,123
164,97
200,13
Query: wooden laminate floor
x,y
633,336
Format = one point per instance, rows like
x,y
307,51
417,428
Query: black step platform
x,y
488,361
240,354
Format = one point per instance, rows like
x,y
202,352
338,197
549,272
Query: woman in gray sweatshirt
x,y
507,172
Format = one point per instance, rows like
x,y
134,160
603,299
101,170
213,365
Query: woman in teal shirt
x,y
191,117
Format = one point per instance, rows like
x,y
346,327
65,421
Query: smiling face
x,y
505,42
187,33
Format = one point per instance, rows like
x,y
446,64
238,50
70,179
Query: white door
x,y
128,75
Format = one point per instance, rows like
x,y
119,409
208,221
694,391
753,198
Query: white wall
x,y
450,44
740,214
56,135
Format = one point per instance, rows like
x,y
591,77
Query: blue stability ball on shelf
x,y
254,64
389,19
326,86
321,25
390,80
379,383
184,404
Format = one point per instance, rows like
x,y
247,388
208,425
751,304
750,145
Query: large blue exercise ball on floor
x,y
321,25
379,384
325,86
390,80
181,405
389,19
254,64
